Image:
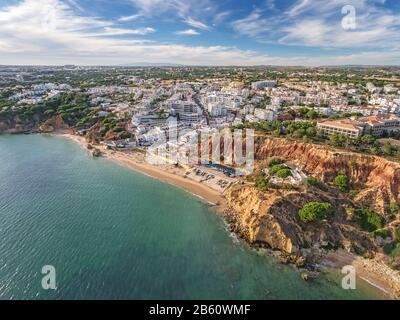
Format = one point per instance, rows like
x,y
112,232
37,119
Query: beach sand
x,y
372,271
166,173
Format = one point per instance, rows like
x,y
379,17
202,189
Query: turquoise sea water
x,y
112,233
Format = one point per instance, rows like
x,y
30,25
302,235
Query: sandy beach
x,y
166,173
372,271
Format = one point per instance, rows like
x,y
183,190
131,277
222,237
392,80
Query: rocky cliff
x,y
17,124
271,219
376,179
53,124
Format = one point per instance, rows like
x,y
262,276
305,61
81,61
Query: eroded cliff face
x,y
271,218
16,124
377,179
53,124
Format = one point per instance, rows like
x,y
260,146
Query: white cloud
x,y
196,24
181,8
120,31
131,17
254,24
330,7
50,32
188,32
221,16
318,23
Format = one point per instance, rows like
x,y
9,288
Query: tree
x,y
275,168
49,112
284,173
368,219
311,132
275,161
394,207
311,114
368,139
299,133
342,182
337,140
261,183
388,149
311,181
314,211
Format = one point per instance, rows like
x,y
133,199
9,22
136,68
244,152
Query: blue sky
x,y
200,32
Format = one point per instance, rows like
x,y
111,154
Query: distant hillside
x,y
149,64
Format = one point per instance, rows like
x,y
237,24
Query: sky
x,y
200,32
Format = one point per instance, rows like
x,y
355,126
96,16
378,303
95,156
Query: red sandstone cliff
x,y
377,179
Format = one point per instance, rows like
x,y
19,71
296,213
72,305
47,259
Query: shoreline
x,y
166,174
372,272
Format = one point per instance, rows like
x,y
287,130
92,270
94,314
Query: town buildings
x,y
259,85
353,128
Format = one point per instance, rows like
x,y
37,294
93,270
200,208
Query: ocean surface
x,y
112,233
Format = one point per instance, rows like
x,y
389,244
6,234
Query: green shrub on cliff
x,y
275,161
261,183
383,233
274,169
368,220
311,181
342,182
284,173
315,211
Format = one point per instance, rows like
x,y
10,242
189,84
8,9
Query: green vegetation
x,y
261,182
311,181
284,173
285,128
368,220
383,233
280,170
394,208
306,113
342,182
74,108
275,161
265,101
308,132
313,211
392,249
278,167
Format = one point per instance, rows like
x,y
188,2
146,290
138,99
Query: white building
x,y
189,117
216,110
263,84
264,115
